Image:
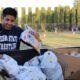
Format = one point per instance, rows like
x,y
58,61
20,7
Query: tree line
x,y
60,18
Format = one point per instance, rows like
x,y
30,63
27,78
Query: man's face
x,y
8,21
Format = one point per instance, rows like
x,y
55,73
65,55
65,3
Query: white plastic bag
x,y
48,59
32,62
50,66
20,72
28,37
30,73
9,64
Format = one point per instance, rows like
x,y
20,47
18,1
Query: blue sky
x,y
35,3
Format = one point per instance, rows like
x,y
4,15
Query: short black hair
x,y
9,11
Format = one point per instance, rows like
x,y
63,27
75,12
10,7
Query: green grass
x,y
61,39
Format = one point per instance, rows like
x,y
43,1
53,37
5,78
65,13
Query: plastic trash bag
x,y
50,66
30,73
9,64
20,72
28,37
32,62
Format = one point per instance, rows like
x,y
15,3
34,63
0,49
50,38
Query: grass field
x,y
61,39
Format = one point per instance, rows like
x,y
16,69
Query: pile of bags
x,y
42,67
48,64
20,72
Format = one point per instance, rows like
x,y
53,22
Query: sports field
x,y
61,39
58,39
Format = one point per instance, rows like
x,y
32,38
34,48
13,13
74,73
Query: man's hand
x,y
36,34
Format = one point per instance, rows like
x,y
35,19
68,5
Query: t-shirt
x,y
10,39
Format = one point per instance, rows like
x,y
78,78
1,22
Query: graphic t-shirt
x,y
10,39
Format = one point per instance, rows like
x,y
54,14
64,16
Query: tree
x,y
37,19
77,12
49,19
17,16
61,18
23,17
1,13
55,17
43,19
73,17
30,16
66,17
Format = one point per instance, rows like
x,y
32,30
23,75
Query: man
x,y
9,32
